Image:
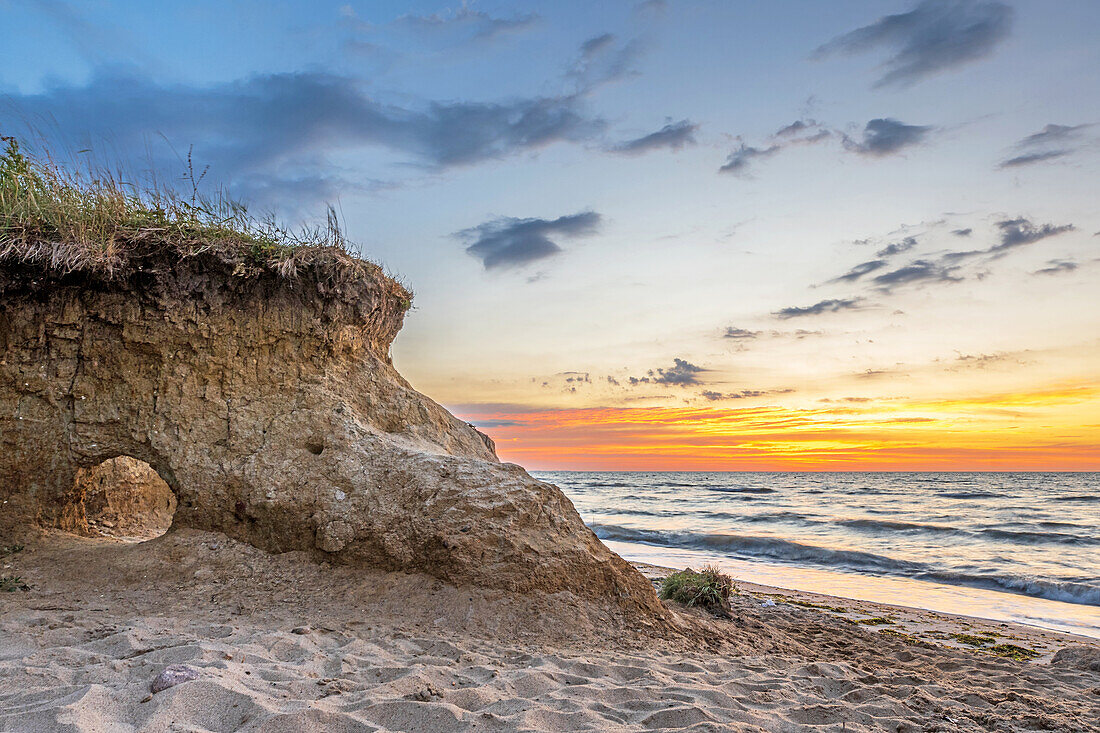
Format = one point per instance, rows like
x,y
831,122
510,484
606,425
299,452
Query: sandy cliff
x,y
267,401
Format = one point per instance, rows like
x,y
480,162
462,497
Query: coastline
x,y
907,623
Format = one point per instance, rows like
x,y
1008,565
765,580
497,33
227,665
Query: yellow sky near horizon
x,y
1056,428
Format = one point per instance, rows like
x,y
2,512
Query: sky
x,y
662,235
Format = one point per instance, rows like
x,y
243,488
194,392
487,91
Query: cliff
x,y
264,395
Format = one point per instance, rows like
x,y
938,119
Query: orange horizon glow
x,y
1056,429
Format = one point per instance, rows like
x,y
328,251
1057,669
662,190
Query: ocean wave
x,y
972,495
1009,535
755,546
1077,497
740,489
1068,590
767,517
888,524
1034,538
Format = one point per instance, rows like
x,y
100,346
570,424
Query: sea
x,y
1020,547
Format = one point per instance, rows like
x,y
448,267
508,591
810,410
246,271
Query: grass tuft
x,y
12,583
708,588
67,223
10,550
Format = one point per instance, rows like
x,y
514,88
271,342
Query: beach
x,y
282,643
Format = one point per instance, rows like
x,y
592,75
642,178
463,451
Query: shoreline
x,y
907,623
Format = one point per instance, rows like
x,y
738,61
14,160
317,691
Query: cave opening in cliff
x,y
124,498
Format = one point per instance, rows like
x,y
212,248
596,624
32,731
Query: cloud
x,y
962,232
922,271
1018,232
511,242
825,306
860,270
673,136
476,24
886,136
797,128
282,128
1056,134
1050,143
739,334
1057,267
743,394
738,161
681,373
496,423
793,134
897,247
933,37
1030,158
602,60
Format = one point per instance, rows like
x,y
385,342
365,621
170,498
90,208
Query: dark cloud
x,y
797,128
738,161
886,136
860,270
1057,267
795,133
963,255
674,136
935,36
681,373
743,394
918,271
278,130
825,306
1050,143
962,232
1029,158
507,241
897,247
1018,232
496,423
612,381
739,334
1052,134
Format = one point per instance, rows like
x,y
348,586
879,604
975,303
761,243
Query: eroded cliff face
x,y
270,407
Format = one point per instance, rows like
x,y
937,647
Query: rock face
x,y
269,405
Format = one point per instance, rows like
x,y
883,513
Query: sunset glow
x,y
1041,430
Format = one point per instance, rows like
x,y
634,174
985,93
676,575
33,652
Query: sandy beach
x,y
281,643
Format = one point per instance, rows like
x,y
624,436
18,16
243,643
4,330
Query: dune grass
x,y
66,222
708,588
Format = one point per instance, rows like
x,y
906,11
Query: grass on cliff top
x,y
708,588
67,223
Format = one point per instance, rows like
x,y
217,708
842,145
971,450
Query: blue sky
x,y
786,196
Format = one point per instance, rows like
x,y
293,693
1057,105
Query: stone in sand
x,y
173,675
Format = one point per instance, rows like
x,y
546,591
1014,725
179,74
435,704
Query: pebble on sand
x,y
173,675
